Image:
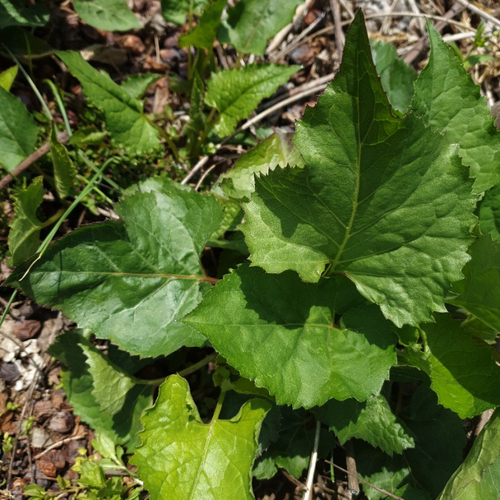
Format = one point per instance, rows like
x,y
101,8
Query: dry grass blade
x,y
479,12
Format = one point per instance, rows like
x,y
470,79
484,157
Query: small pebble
x,y
25,330
40,438
62,422
9,372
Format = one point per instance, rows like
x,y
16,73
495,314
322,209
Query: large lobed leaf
x,y
124,116
383,200
236,92
18,131
181,458
450,101
251,23
280,332
131,281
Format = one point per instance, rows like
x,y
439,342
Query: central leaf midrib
x,y
356,191
132,275
206,449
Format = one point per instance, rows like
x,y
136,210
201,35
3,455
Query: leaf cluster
x,y
357,259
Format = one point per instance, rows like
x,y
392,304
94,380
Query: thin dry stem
x,y
63,138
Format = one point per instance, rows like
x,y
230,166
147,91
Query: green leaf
x,y
389,473
176,11
197,119
463,372
372,421
87,136
383,200
450,101
142,275
24,44
25,227
124,116
273,329
396,76
136,85
479,330
34,491
13,13
107,15
92,475
64,171
479,292
111,385
277,150
292,450
233,401
7,77
479,475
489,213
203,35
230,221
251,23
18,131
78,384
236,92
439,441
182,458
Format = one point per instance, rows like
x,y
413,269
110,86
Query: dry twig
x,y
381,490
337,24
352,472
312,464
63,138
479,12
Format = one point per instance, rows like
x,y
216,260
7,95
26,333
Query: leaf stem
x,y
97,190
91,165
76,201
182,373
53,219
197,366
210,124
218,407
60,104
167,138
7,307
